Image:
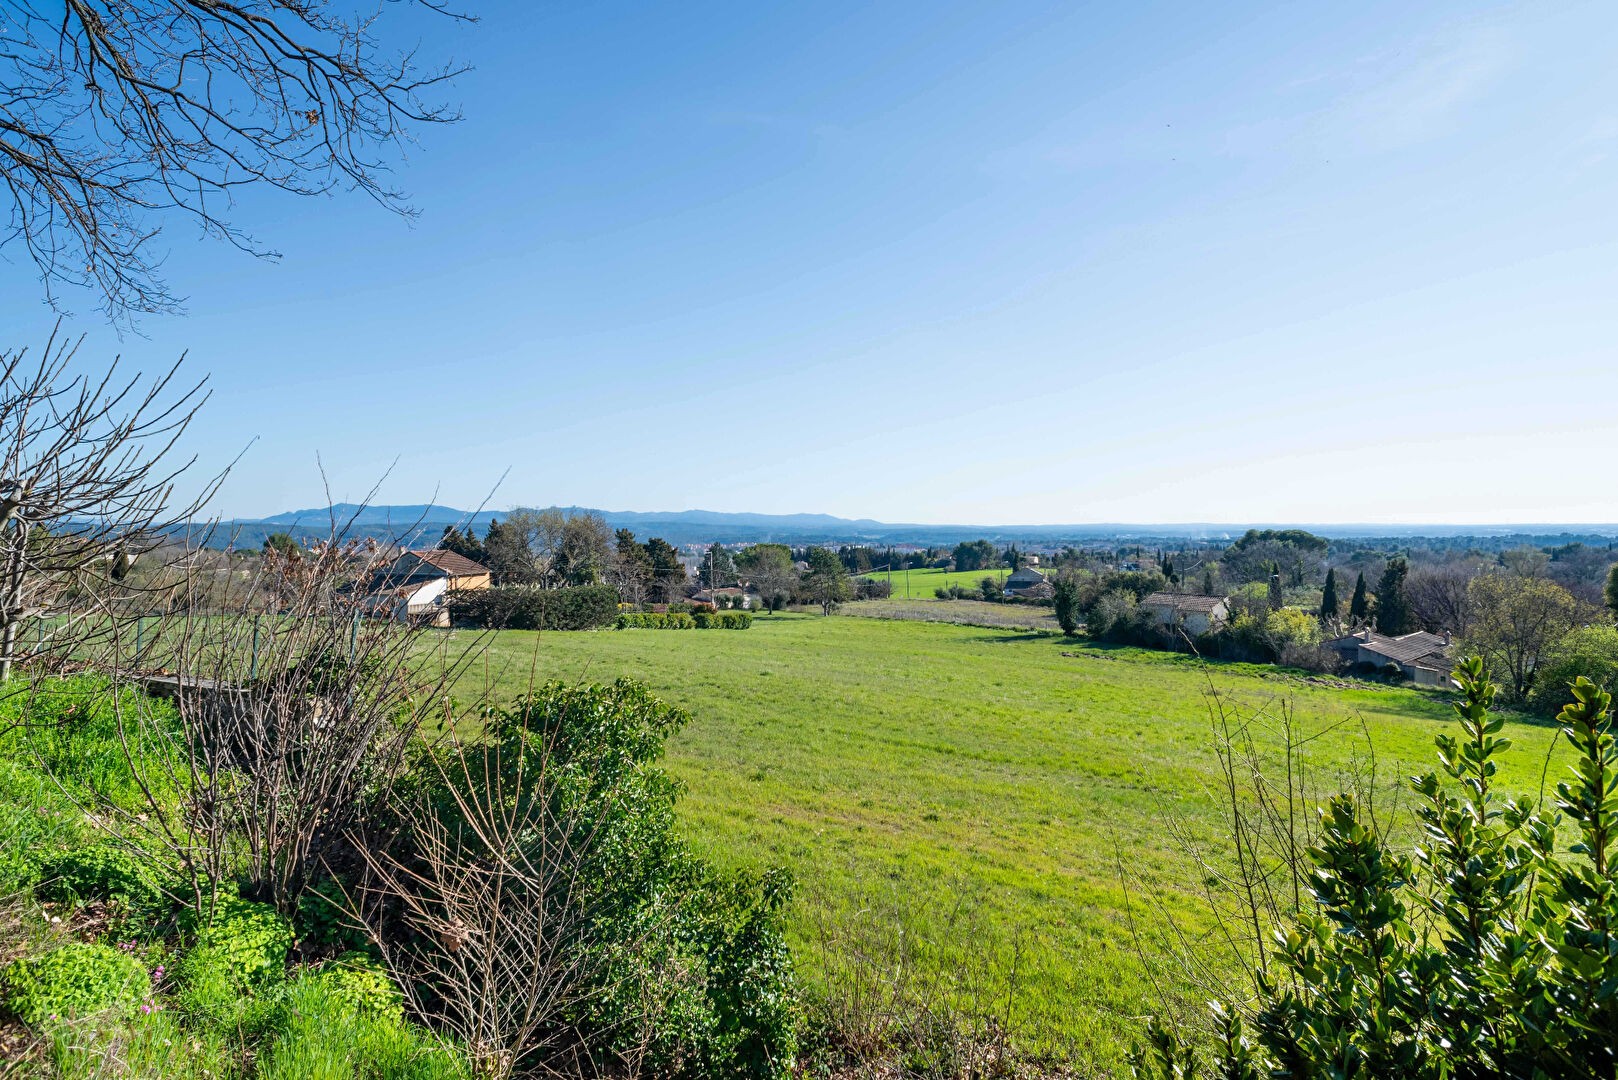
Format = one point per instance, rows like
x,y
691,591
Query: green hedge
x,y
584,607
679,620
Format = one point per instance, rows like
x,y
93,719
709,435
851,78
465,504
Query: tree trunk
x,y
8,649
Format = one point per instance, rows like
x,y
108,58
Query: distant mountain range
x,y
424,523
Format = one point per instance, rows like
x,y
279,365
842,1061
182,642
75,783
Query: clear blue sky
x,y
995,262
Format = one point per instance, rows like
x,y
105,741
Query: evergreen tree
x,y
668,572
1328,597
1167,565
1612,589
1359,607
1207,583
1393,613
1066,601
718,569
1277,599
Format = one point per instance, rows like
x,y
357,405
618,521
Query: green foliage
x,y
654,907
1609,592
1591,651
72,981
1330,605
583,607
1521,976
246,940
1393,612
282,544
679,620
1298,538
320,922
100,871
826,580
1359,605
1066,600
358,981
975,555
317,1031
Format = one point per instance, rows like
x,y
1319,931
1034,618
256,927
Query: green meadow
x,y
920,584
1000,797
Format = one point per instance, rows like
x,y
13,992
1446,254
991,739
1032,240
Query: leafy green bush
x,y
679,620
1487,952
98,872
358,981
246,942
1591,651
522,607
321,923
72,981
711,944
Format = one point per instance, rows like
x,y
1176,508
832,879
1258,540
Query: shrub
x,y
97,872
74,980
248,941
1591,651
321,921
1485,952
942,593
584,607
679,620
358,981
657,945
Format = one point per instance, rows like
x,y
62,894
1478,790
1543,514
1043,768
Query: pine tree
x,y
1328,597
1359,608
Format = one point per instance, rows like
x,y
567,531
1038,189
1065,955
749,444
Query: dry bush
x,y
1252,877
286,728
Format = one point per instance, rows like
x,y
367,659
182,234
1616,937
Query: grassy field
x,y
920,584
977,787
962,612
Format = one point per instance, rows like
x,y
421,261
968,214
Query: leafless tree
x,y
1438,596
117,115
86,473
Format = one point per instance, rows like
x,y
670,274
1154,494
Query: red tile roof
x,y
452,563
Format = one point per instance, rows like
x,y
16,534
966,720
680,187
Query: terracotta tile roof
x,y
1183,601
452,563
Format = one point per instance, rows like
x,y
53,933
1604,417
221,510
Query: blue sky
x,y
1005,263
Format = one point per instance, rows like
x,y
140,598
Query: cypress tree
x,y
1360,606
1207,583
1277,598
1328,597
1393,614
